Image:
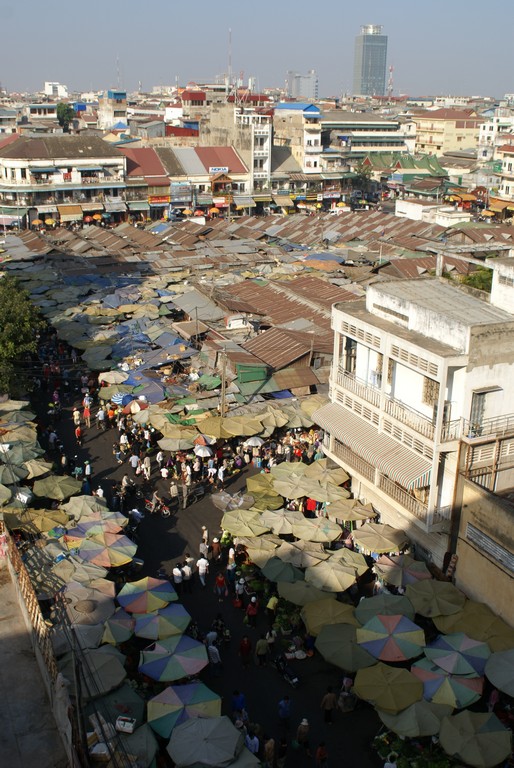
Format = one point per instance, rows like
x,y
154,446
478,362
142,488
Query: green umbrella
x,y
330,576
302,554
18,453
10,475
281,521
57,487
100,672
320,613
499,669
388,688
80,506
323,471
242,522
477,738
260,484
119,627
337,644
423,718
267,501
435,598
37,468
301,592
276,570
5,495
318,529
384,605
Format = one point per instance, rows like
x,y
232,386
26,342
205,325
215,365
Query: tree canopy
x,y
65,114
19,325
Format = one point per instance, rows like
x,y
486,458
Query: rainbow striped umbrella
x,y
173,658
146,595
391,638
166,622
179,703
457,691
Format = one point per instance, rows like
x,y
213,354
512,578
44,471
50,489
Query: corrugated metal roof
x,y
277,348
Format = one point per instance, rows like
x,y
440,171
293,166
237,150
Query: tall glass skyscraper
x,y
369,71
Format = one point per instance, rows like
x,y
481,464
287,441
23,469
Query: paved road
x,y
162,542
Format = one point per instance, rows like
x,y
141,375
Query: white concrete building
x,y
55,90
493,133
421,377
298,126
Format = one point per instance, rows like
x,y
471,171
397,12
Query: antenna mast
x,y
390,83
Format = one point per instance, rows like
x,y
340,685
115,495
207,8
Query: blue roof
x,y
299,106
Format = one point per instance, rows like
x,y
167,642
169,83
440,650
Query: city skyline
x,y
103,48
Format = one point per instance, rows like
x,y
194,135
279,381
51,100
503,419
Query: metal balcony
x,y
500,426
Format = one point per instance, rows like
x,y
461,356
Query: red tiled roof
x,y
143,162
221,157
9,139
193,96
449,114
506,148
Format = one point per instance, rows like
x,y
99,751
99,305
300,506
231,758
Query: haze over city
x,y
434,49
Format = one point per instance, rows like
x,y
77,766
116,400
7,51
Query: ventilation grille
x,y
490,547
358,333
414,361
407,439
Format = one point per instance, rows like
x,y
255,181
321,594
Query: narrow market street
x,y
163,542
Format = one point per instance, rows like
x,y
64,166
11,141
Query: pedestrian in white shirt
x,y
178,578
187,577
202,565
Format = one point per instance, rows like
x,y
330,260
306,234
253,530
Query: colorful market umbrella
x,y
435,598
119,627
458,691
301,592
58,487
401,570
318,529
320,613
391,638
458,654
499,670
179,703
107,549
383,605
477,738
45,519
166,622
375,537
330,576
276,570
423,718
390,689
146,595
172,659
338,644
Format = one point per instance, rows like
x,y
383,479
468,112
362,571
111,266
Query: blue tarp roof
x,y
325,256
282,395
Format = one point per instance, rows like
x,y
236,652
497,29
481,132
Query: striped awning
x,y
398,462
245,200
70,212
283,200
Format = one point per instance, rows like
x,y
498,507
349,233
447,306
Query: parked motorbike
x,y
285,670
161,508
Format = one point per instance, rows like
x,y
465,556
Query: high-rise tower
x,y
369,72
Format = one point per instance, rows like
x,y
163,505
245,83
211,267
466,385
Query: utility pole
x,y
223,383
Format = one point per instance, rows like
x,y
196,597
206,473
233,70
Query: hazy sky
x,y
435,46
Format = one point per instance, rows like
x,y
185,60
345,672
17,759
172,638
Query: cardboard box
x,y
125,724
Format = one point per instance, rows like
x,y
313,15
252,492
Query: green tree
x,y
19,325
481,279
65,114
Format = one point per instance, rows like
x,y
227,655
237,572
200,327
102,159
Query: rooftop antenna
x,y
229,74
118,74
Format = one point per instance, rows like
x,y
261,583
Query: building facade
x,y
302,86
370,61
420,370
447,130
297,125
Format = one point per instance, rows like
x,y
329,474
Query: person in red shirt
x,y
78,434
220,586
251,612
245,651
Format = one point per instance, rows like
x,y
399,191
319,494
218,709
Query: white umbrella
x,y
202,450
254,442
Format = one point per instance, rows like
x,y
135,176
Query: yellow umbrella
x,y
259,484
37,223
243,522
301,592
435,598
97,216
50,222
323,472
374,537
214,426
319,613
242,426
350,559
317,529
313,403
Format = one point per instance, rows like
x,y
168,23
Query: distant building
x,y
112,109
446,130
369,72
55,90
302,86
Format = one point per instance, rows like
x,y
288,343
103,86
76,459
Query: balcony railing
x,y
499,426
360,388
398,410
351,459
403,497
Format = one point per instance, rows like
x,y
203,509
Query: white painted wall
x,y
408,388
